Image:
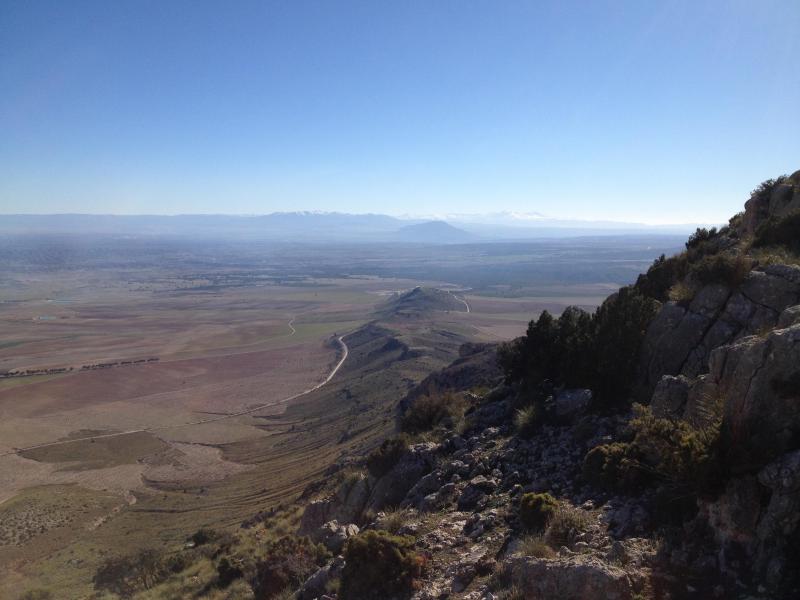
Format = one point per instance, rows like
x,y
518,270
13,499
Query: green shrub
x,y
203,536
535,510
783,231
765,188
381,460
566,522
288,562
680,456
379,565
227,572
727,269
683,456
661,276
700,236
426,412
525,421
614,467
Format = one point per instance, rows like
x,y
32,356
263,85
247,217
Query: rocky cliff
x,y
533,490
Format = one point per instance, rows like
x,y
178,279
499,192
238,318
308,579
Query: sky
x,y
657,112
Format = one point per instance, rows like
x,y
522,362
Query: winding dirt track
x,y
330,376
462,300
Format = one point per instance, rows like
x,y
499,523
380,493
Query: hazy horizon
x,y
612,111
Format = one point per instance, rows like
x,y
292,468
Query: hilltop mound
x,y
434,232
422,300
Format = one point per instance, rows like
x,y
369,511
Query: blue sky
x,y
641,111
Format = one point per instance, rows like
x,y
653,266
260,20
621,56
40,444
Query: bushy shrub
x,y
661,276
566,523
727,269
535,510
381,460
426,412
204,535
227,572
287,563
682,455
700,236
765,188
615,467
379,565
783,231
680,459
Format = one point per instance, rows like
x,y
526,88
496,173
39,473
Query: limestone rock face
x,y
680,340
759,380
670,396
390,489
573,578
785,198
345,506
350,500
333,536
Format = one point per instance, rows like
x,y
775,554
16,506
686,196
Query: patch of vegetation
x,y
381,460
681,459
765,188
394,520
775,255
379,565
536,510
203,536
426,412
700,236
573,350
287,563
662,275
614,467
227,572
727,269
525,421
784,232
682,293
126,575
536,546
565,523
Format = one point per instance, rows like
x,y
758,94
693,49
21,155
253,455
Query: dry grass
x,y
566,522
681,293
536,546
775,255
394,520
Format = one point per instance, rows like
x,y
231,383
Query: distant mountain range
x,y
327,227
